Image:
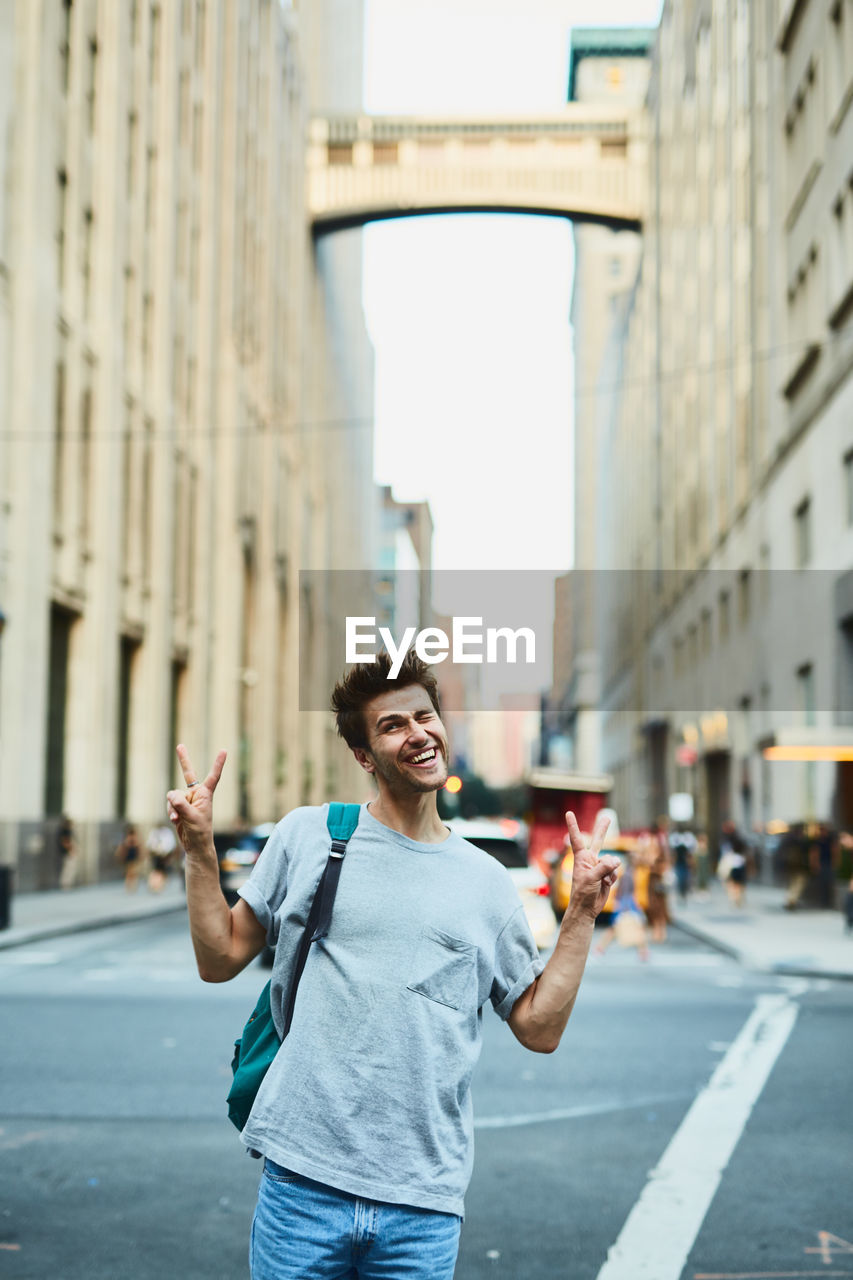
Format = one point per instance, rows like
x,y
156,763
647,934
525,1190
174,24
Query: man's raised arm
x,y
540,1014
225,939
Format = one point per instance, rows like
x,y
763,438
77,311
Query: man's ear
x,y
365,759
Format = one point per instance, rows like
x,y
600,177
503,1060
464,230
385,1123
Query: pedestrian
x,y
129,854
67,842
656,853
732,863
161,846
823,861
682,846
795,854
703,865
364,1117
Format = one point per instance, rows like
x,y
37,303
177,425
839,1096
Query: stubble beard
x,y
395,775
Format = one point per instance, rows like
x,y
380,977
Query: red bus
x,y
551,792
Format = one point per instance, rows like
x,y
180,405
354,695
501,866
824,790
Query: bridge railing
x,y
580,162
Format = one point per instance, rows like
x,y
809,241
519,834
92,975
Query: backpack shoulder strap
x,y
342,820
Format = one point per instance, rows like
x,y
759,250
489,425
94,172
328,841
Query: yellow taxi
x,y
616,846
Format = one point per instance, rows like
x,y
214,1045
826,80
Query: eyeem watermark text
x,y
468,642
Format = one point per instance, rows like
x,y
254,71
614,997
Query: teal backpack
x,y
259,1043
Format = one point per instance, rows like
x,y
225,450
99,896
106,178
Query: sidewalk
x,y
762,935
54,912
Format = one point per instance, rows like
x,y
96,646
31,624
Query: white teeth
x,y
425,755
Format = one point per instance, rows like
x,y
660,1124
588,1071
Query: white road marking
x,y
660,1229
795,986
573,1113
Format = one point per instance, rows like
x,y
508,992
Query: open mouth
x,y
423,758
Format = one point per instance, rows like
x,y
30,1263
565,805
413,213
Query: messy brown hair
x,y
365,681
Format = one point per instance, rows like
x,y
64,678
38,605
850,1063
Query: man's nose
x,y
417,731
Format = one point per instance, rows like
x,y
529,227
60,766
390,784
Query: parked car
x,y
506,840
561,878
238,851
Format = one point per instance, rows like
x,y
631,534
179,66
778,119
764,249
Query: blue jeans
x,y
304,1230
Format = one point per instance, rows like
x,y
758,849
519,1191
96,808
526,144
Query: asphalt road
x,y
118,1162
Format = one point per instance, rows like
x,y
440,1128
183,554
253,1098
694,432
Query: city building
x,y
607,66
724,598
185,381
404,577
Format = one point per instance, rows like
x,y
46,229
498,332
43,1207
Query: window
x,y
130,177
808,704
61,203
199,33
147,312
59,443
85,461
385,153
154,46
725,620
65,47
840,248
184,107
177,691
147,496
150,186
127,509
692,647
61,623
848,486
805,296
129,303
808,707
88,222
743,594
197,137
340,153
129,648
802,533
839,55
705,631
91,87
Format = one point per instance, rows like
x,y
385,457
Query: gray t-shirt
x,y
370,1092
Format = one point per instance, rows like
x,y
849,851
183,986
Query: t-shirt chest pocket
x,y
444,968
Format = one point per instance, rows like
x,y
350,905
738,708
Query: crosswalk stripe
x,y
659,1232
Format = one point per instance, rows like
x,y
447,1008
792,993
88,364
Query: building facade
x,y
725,615
607,67
181,394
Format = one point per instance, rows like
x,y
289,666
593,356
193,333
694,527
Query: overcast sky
x,y
469,315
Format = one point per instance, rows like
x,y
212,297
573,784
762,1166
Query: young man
x,y
364,1117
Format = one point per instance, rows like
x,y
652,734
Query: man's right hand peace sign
x,y
592,876
192,810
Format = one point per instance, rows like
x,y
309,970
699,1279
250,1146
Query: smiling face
x,y
407,744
